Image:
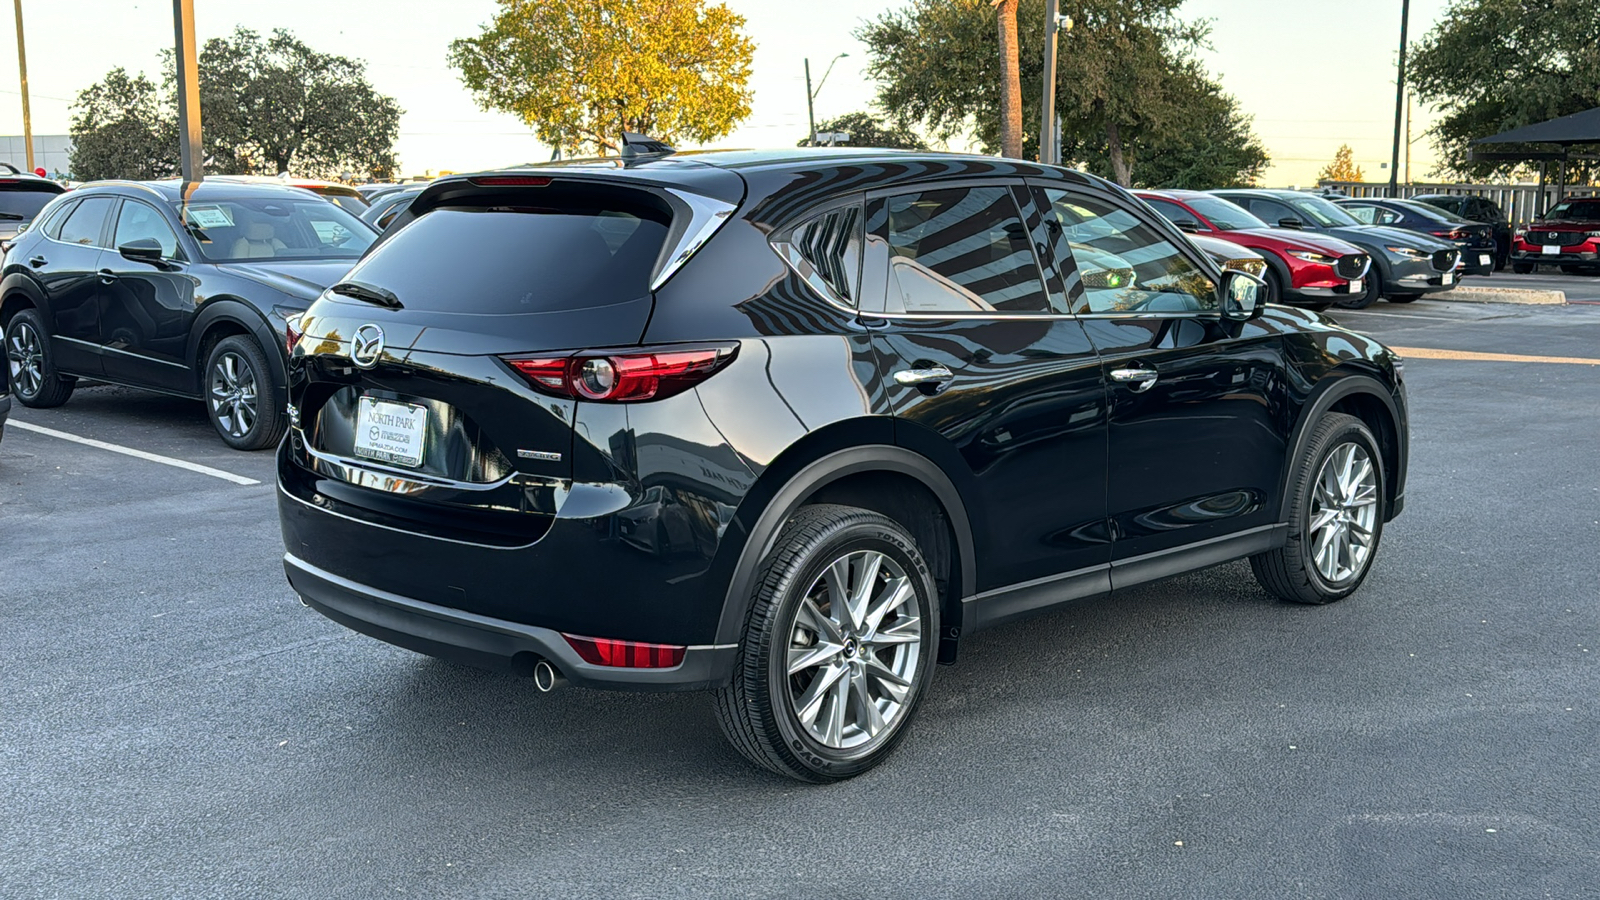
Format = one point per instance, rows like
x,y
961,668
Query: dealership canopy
x,y
1578,128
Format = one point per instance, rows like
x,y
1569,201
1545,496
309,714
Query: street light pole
x,y
22,65
1048,113
811,96
190,150
1399,101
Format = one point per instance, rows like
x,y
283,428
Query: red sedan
x,y
1304,269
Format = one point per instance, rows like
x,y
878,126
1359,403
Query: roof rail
x,y
639,148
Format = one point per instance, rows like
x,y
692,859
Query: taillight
x,y
292,331
645,374
1451,235
625,654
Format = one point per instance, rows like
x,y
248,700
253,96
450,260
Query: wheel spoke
x,y
865,580
811,617
1323,519
838,705
905,630
868,716
810,703
802,658
892,685
893,596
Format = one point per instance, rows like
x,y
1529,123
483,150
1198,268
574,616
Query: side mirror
x,y
1187,226
145,250
1290,222
1242,295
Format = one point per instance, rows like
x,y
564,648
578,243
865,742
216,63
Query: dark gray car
x,y
1405,265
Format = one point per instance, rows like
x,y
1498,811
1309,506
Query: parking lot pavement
x,y
176,724
1578,288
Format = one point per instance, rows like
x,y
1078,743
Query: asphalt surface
x,y
1578,288
175,724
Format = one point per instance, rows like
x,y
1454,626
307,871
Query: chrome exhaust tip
x,y
545,677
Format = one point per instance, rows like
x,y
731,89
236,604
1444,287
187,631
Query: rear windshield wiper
x,y
367,293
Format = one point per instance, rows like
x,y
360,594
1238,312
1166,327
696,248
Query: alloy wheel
x,y
1344,513
853,652
25,355
233,394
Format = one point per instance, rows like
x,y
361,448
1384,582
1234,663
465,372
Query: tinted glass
x,y
826,251
1587,210
1450,204
1170,211
251,228
138,221
346,198
84,223
52,223
960,250
1430,213
519,260
19,204
1366,215
1225,214
1125,265
1321,212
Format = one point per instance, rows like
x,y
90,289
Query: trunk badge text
x,y
545,455
366,347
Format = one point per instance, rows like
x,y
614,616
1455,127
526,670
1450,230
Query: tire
x,y
1523,268
1274,286
762,709
1297,571
1374,285
32,372
1403,298
244,406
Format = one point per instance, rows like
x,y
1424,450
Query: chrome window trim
x,y
401,481
706,216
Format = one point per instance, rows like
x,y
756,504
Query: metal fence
x,y
1520,202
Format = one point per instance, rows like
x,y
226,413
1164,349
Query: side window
x,y
1271,211
1366,215
84,224
825,250
1387,217
1124,265
1172,212
138,221
51,226
958,250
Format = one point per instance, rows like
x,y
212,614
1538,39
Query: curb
x,y
1523,296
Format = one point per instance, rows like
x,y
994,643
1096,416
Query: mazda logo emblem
x,y
367,346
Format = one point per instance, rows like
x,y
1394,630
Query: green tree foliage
x,y
275,105
266,106
123,127
580,74
1343,167
1130,93
1493,65
868,130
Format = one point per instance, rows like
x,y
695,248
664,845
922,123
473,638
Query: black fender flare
x,y
17,284
252,321
1336,386
815,474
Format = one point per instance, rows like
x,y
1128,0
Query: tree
x,y
1215,149
1010,85
868,130
1493,65
580,74
122,127
1127,82
276,105
1343,167
267,106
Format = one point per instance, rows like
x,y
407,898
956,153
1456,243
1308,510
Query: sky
x,y
1310,80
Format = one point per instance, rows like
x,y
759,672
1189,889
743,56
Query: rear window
x,y
519,259
20,203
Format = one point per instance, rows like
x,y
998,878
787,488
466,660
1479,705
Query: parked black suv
x,y
1478,209
788,425
128,282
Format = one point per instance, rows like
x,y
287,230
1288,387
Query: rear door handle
x,y
1138,378
107,276
37,261
931,375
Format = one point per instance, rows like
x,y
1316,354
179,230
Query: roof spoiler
x,y
640,148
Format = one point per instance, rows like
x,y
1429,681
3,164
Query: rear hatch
x,y
438,417
20,201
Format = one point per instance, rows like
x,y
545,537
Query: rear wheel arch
x,y
894,481
226,317
14,297
1365,397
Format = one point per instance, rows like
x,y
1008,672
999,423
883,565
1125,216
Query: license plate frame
x,y
1357,286
1551,250
1447,278
391,439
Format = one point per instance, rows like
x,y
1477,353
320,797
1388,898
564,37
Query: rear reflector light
x,y
645,374
511,180
292,331
625,654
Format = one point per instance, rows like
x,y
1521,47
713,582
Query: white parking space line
x,y
1411,316
138,454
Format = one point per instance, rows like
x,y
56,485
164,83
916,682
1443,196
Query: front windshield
x,y
1225,214
1587,210
1322,212
252,228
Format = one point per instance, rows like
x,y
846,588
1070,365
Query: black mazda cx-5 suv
x,y
787,426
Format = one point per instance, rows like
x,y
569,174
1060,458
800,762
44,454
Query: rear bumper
x,y
485,642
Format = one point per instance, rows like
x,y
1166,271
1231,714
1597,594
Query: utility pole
x,y
1408,137
1047,130
191,154
1399,101
22,65
811,115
